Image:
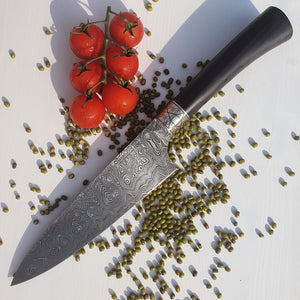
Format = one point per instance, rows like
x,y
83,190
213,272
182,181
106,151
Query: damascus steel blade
x,y
135,172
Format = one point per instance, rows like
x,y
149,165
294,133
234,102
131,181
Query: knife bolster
x,y
173,117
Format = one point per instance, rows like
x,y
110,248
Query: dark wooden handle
x,y
268,30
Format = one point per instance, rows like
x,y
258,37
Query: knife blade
x,y
144,163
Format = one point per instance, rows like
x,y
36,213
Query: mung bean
x,y
6,103
40,67
12,54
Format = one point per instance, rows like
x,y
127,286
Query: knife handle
x,y
268,30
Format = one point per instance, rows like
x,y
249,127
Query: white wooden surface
x,y
182,31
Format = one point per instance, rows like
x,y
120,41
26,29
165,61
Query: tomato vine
x,y
123,32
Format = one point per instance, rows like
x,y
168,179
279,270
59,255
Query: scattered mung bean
x,y
12,54
40,67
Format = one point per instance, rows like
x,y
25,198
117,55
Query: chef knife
x,y
144,163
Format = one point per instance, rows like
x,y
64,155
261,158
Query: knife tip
x,y
13,282
16,279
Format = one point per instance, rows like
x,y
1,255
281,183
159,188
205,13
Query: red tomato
x,y
119,100
129,34
83,80
89,114
123,64
87,41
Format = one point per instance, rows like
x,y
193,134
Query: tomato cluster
x,y
102,76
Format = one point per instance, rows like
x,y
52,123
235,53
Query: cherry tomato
x,y
128,34
87,41
84,78
123,64
119,100
87,114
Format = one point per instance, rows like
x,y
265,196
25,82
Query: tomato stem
x,y
119,79
90,90
120,45
88,97
128,25
83,29
93,59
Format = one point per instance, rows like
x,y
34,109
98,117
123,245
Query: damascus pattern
x,y
137,170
